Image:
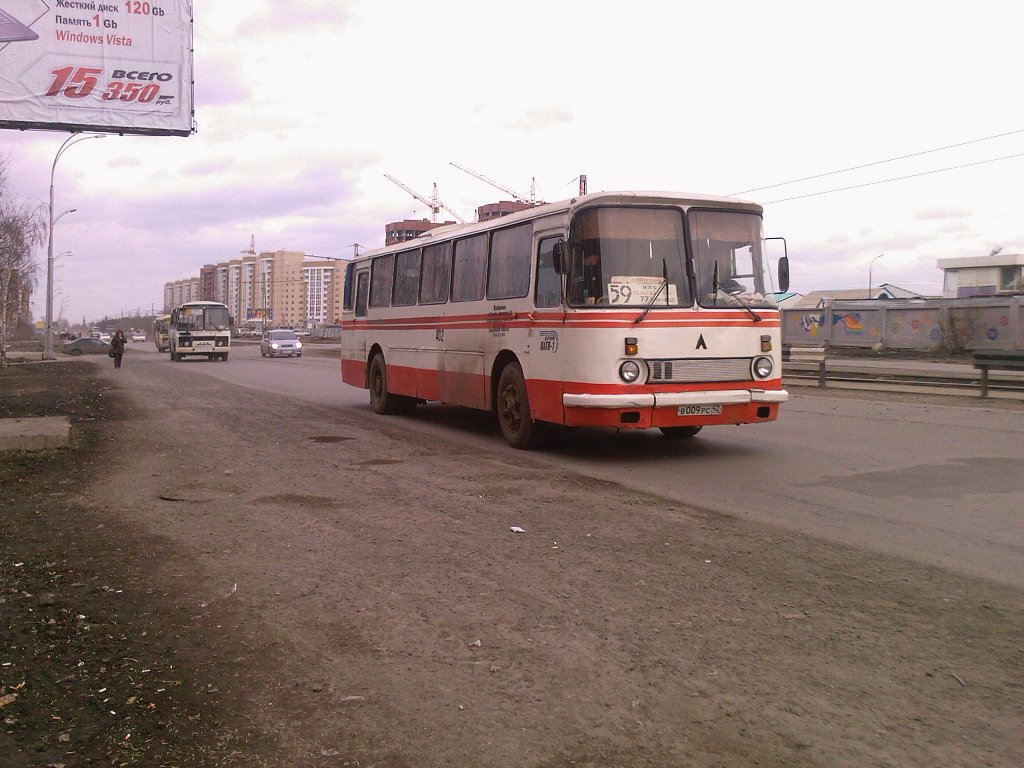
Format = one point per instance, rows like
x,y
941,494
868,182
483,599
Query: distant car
x,y
138,336
88,346
105,337
302,333
280,342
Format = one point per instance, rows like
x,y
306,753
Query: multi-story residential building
x,y
180,291
503,208
408,229
323,295
278,288
208,283
221,287
19,296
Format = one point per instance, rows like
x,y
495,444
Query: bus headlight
x,y
762,367
629,371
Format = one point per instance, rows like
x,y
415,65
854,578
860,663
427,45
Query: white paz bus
x,y
201,328
630,310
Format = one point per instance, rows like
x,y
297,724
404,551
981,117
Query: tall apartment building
x,y
503,208
407,229
323,291
180,291
19,299
281,288
207,283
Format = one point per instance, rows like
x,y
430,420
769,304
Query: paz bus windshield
x,y
203,319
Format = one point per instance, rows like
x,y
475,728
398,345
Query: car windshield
x,y
631,257
732,242
278,335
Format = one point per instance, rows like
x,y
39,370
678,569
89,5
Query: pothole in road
x,y
330,439
376,462
301,500
191,497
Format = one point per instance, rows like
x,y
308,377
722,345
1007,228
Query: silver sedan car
x,y
280,342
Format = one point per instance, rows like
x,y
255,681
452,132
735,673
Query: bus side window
x,y
350,269
362,291
548,291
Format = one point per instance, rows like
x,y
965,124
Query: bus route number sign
x,y
638,289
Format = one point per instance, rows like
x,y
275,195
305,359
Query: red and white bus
x,y
629,310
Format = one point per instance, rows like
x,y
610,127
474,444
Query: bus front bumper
x,y
673,409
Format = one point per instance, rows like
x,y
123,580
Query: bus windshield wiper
x,y
654,298
717,287
742,303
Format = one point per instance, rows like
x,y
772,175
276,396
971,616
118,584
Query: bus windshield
x,y
733,243
203,319
628,257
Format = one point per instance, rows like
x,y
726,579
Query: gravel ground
x,y
164,603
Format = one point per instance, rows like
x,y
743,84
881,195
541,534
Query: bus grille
x,y
700,369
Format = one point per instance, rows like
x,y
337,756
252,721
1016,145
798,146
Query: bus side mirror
x,y
560,257
784,274
783,264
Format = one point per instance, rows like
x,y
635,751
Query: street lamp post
x,y
870,265
48,343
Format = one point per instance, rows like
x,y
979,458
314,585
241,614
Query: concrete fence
x,y
948,325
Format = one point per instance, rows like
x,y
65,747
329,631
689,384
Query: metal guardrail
x,y
996,359
961,383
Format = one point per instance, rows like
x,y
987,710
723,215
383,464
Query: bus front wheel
x,y
679,433
513,406
382,401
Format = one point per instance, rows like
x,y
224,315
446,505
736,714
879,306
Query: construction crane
x,y
435,205
522,199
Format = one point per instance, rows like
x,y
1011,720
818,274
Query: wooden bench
x,y
797,354
997,359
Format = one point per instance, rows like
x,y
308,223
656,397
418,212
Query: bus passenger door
x,y
545,373
354,340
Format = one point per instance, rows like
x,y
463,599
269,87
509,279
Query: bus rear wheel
x,y
513,407
679,433
382,401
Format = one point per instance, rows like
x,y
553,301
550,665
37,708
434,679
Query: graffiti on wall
x,y
811,322
849,320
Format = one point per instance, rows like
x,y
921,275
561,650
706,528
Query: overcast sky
x,y
302,107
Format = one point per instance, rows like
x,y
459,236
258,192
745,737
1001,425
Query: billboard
x,y
122,66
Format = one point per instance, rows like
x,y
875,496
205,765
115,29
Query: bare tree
x,y
21,229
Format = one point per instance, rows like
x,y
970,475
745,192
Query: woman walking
x,y
117,347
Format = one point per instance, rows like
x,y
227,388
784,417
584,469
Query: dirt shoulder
x,y
265,582
101,662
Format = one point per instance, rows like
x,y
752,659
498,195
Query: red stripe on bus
x,y
606,323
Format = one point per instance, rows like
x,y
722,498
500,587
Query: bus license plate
x,y
699,410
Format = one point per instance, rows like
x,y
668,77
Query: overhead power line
x,y
895,178
878,162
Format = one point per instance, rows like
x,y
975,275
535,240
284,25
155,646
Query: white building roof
x,y
992,260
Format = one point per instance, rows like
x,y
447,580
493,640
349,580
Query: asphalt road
x,y
934,481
